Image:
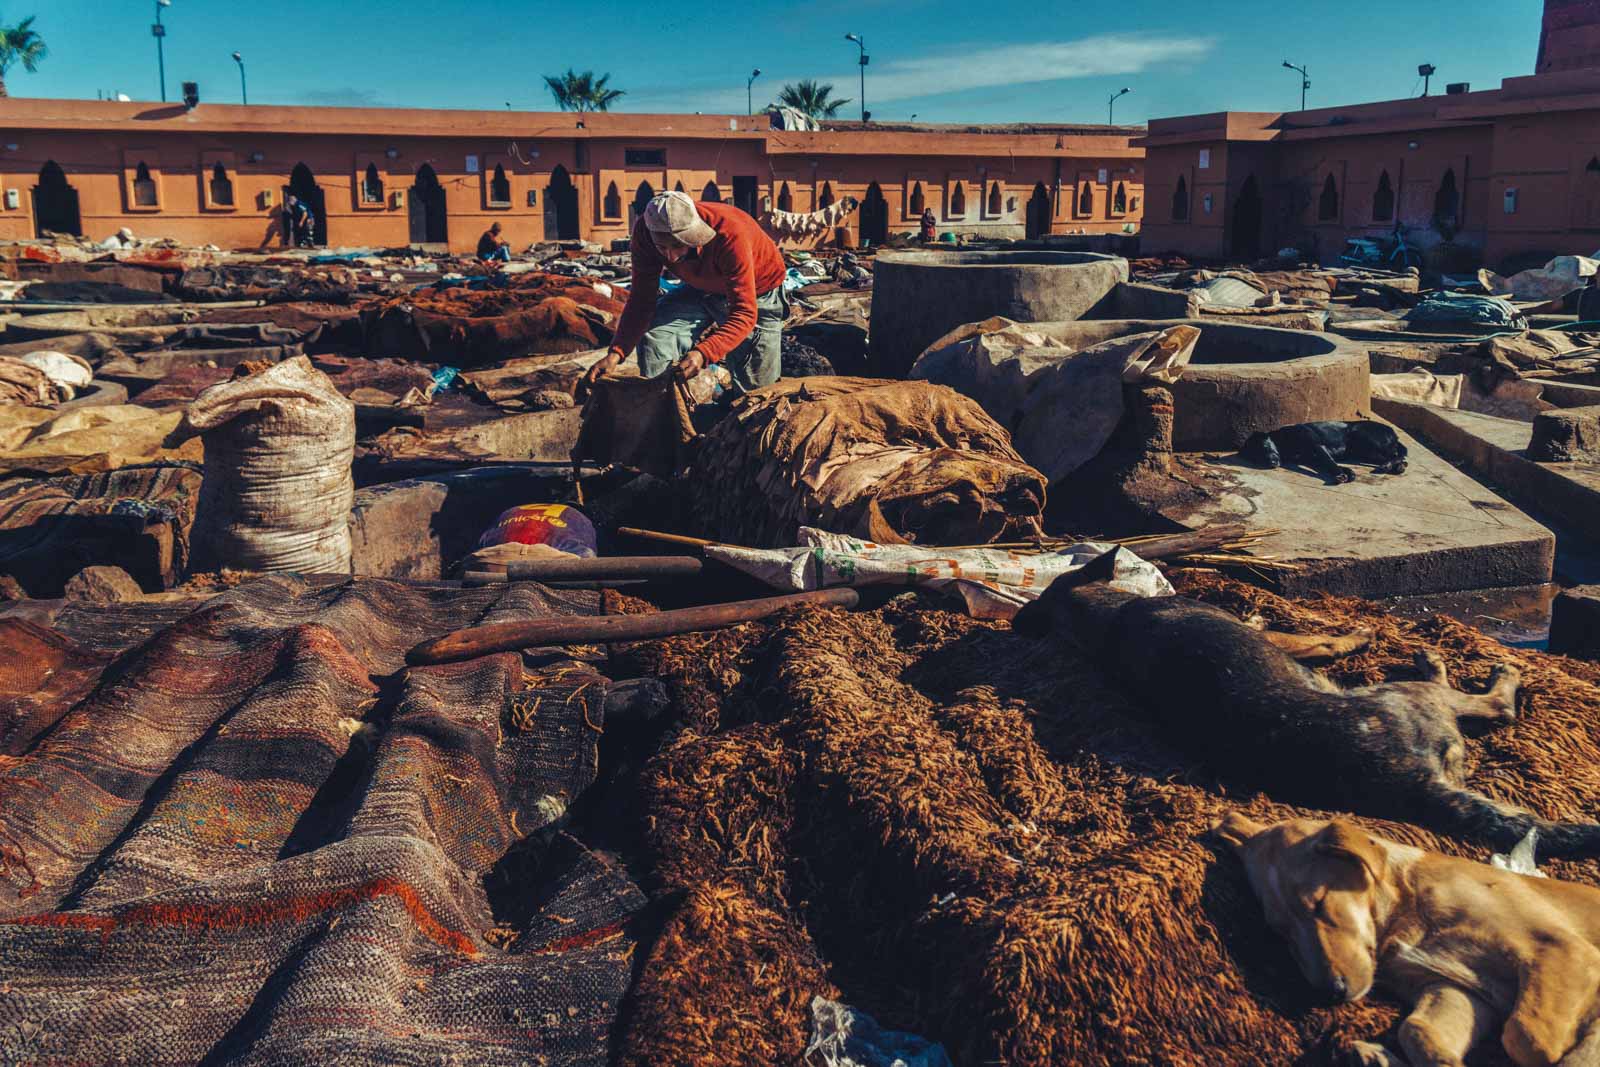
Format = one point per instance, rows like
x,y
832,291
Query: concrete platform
x,y
1496,449
1430,530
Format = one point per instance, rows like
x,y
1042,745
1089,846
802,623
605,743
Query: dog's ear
x,y
1237,829
1347,842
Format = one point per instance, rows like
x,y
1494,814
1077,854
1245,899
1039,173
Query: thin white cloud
x,y
1023,64
1102,55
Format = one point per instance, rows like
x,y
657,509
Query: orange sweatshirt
x,y
739,263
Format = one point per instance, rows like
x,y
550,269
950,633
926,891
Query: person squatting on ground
x,y
730,308
492,246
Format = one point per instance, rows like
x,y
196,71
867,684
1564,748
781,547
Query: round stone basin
x,y
918,297
1242,379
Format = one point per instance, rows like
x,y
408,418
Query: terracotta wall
x,y
172,197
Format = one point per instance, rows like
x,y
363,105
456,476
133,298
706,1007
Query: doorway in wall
x,y
1247,212
55,202
560,207
1038,212
874,216
430,220
745,194
303,187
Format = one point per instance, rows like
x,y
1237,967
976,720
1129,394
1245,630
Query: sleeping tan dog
x,y
1472,947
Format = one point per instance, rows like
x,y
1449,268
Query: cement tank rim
x,y
969,260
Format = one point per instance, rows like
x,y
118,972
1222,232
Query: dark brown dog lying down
x,y
1474,950
1261,720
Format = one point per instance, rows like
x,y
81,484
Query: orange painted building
x,y
1513,171
219,174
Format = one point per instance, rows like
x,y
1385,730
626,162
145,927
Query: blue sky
x,y
943,61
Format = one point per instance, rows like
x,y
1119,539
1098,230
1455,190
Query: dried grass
x,y
975,837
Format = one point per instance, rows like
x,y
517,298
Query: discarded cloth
x,y
841,1036
892,461
278,488
994,583
557,526
1444,309
1542,285
86,440
1061,404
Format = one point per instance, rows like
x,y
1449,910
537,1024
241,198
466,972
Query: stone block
x,y
1575,622
1565,435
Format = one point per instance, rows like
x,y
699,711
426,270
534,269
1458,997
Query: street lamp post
x,y
861,43
1111,105
159,32
244,94
749,101
1305,82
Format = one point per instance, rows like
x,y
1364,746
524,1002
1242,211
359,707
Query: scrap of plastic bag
x,y
841,1036
994,583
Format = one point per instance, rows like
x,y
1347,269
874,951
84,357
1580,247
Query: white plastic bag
x,y
277,490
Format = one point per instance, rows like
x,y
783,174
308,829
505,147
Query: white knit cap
x,y
674,214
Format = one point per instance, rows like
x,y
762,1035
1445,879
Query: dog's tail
x,y
1475,817
1059,606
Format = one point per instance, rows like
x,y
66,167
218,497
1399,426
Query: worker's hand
x,y
596,371
691,364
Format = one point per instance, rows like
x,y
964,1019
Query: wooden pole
x,y
589,629
581,570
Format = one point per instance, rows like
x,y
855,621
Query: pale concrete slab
x,y
1497,449
1429,530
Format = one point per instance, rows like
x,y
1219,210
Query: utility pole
x,y
244,94
159,32
1111,105
749,101
1305,82
861,43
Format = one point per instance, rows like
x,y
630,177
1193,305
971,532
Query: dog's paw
x,y
1372,1054
1431,664
1343,475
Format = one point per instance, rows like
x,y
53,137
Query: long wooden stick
x,y
579,570
594,629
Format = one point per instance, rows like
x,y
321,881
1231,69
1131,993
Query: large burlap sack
x,y
278,488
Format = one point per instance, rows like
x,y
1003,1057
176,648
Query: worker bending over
x,y
730,309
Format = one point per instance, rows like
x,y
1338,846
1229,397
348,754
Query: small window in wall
x,y
678,188
1180,201
958,201
611,207
1594,165
785,198
372,185
644,157
826,199
500,187
995,206
1119,203
1085,199
641,200
1383,199
144,187
221,186
1328,202
918,202
711,194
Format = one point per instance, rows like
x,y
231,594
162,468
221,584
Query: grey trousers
x,y
683,317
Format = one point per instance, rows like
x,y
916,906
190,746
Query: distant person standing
x,y
929,225
302,223
492,246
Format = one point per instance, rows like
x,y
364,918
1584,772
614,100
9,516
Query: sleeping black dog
x,y
1319,445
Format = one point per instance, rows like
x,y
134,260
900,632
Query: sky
x,y
940,61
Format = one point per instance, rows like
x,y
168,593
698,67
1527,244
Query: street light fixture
x,y
1111,104
861,43
1305,82
159,32
1427,70
749,102
243,93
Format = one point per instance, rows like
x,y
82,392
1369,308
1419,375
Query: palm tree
x,y
809,98
581,92
20,44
